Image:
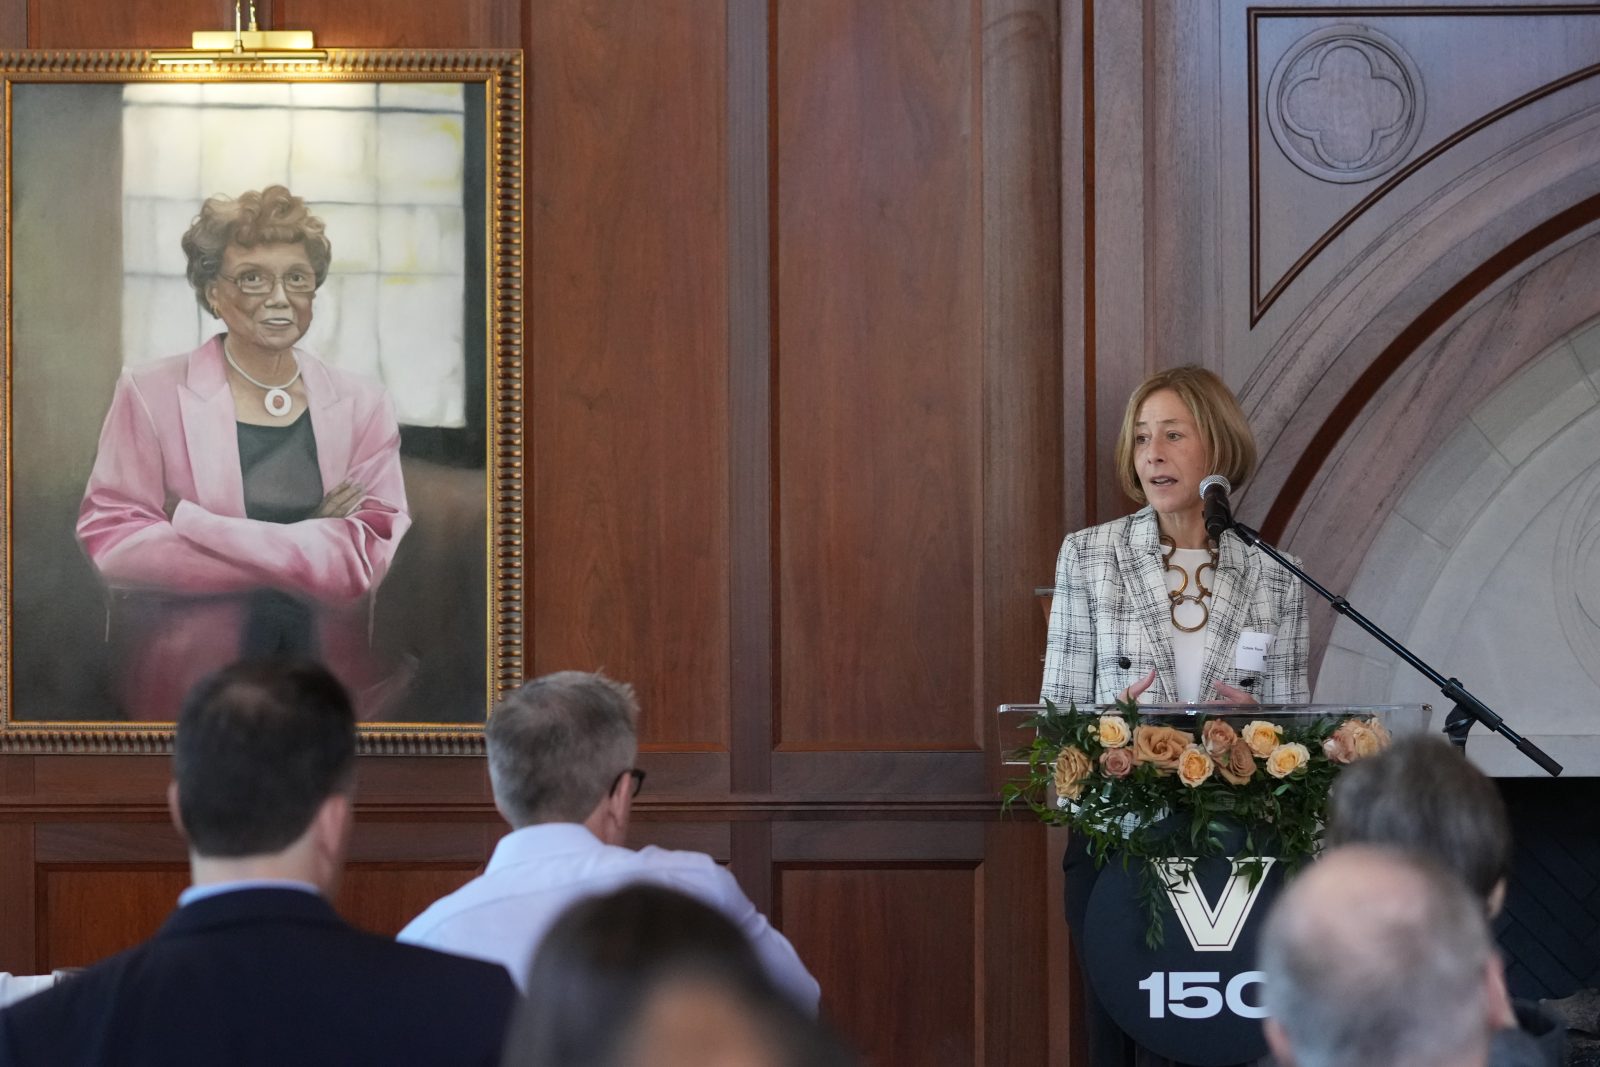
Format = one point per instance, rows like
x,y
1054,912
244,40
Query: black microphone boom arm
x,y
1468,709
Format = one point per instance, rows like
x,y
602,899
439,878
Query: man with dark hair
x,y
561,761
1373,956
255,967
1423,796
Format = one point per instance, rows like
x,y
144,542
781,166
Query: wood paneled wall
x,y
832,309
794,467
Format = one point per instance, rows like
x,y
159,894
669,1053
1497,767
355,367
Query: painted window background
x,y
380,163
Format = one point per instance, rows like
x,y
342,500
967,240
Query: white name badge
x,y
1252,655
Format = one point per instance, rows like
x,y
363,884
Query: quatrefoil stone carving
x,y
1345,104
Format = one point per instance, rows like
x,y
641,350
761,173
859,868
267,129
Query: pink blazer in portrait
x,y
163,520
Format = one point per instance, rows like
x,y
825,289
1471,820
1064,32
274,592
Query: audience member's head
x,y
701,1020
562,749
264,764
1375,956
1423,796
650,977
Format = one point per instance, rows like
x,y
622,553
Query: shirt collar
x,y
542,840
213,889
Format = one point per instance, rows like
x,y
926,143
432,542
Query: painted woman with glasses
x,y
246,498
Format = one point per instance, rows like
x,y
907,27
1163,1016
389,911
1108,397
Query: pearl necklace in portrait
x,y
277,401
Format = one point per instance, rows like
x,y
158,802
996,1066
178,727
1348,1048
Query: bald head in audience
x,y
1373,957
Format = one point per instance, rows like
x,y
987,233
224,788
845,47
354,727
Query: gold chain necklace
x,y
1181,595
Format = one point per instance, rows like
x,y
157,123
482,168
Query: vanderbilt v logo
x,y
1212,928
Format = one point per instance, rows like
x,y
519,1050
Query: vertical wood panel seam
x,y
1218,152
1086,402
980,951
1147,165
530,495
750,424
774,357
977,295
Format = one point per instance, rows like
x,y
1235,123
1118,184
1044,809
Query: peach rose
x,y
1349,743
1116,762
1218,737
1337,747
1072,768
1239,766
1365,742
1262,737
1353,740
1113,731
1194,766
1286,759
1380,731
1160,746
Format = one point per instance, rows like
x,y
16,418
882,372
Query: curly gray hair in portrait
x,y
273,215
557,744
1373,956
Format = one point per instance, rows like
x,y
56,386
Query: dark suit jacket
x,y
264,976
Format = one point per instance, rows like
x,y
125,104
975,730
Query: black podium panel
x,y
1198,998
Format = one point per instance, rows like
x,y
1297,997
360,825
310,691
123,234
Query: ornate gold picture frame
x,y
345,233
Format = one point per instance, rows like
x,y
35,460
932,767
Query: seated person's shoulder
x,y
460,969
676,859
692,872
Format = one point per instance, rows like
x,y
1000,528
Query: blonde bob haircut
x,y
1216,413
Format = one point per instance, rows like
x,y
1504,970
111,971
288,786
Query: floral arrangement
x,y
1153,793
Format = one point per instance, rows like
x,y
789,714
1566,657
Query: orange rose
x,y
1116,762
1072,768
1194,766
1112,731
1240,766
1160,746
1262,737
1218,737
1286,759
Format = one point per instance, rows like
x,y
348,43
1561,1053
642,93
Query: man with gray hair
x,y
561,760
1372,956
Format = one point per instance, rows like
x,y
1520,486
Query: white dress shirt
x,y
536,872
213,889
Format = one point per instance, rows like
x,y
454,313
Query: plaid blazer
x,y
1110,621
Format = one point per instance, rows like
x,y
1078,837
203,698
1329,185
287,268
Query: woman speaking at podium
x,y
1147,607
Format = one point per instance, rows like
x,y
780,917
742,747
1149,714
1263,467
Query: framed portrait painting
x,y
263,388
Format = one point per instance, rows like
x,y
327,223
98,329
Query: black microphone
x,y
1214,490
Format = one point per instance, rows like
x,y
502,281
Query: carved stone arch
x,y
1362,388
1488,565
1393,433
1406,288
